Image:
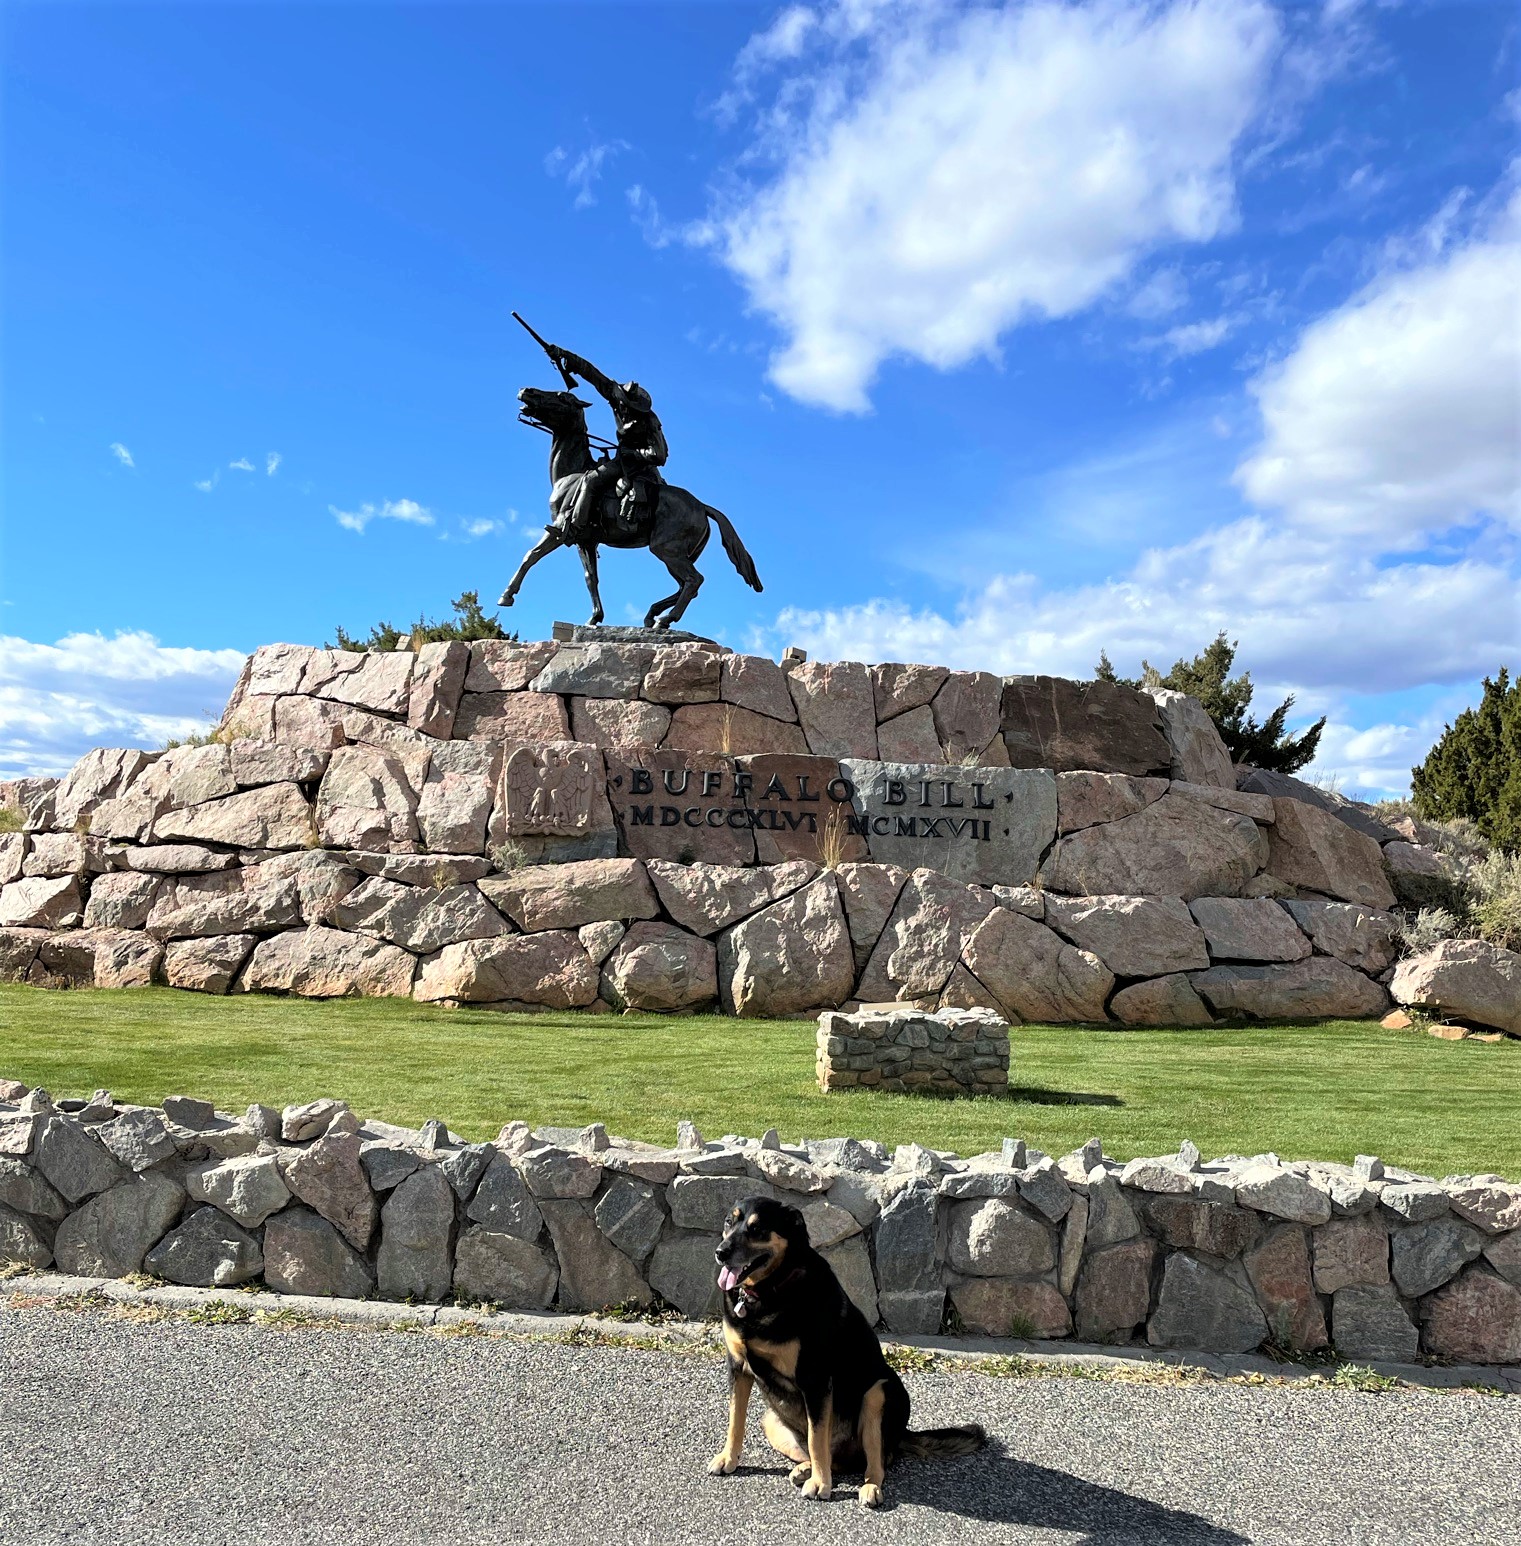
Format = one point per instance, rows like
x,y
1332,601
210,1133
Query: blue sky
x,y
1005,334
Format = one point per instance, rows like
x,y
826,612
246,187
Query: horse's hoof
x,y
505,599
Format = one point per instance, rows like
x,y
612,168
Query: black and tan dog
x,y
831,1399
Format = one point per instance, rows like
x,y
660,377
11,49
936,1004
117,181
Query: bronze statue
x,y
619,498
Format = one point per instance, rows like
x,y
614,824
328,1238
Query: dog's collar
x,y
746,1299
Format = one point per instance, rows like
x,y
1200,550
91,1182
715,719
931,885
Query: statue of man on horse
x,y
618,499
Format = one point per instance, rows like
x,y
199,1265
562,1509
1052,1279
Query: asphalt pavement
x,y
179,1433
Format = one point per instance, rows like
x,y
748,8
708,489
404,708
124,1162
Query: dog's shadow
x,y
997,1489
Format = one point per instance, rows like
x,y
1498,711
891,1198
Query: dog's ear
x,y
797,1226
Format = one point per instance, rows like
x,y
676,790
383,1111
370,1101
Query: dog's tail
x,y
927,1443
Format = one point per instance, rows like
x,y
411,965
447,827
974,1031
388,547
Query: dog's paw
x,y
800,1474
814,1488
870,1495
723,1464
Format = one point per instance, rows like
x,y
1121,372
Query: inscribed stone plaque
x,y
984,826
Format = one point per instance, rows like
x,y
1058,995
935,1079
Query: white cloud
x,y
583,170
481,528
241,465
272,462
960,171
1399,414
122,454
407,510
205,485
1195,337
1390,427
59,700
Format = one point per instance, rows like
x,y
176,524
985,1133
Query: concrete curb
x,y
377,1315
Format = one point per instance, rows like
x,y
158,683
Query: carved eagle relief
x,y
547,791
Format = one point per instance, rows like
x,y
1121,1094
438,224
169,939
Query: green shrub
x,y
1226,700
469,622
1474,770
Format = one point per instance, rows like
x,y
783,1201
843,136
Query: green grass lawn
x,y
1323,1091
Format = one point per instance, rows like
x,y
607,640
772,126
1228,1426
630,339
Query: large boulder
x,y
1467,978
415,1258
792,956
836,707
1364,937
993,1238
1280,786
657,966
102,958
304,1254
454,804
1351,1253
1114,1290
1050,722
1370,1322
684,673
328,963
1201,1307
274,816
23,1241
368,798
909,1290
549,969
207,965
596,670
504,1270
1475,1319
503,1204
1181,845
706,898
72,1161
682,1271
253,900
1425,1256
982,825
505,665
36,902
968,710
418,918
564,896
727,728
916,950
1279,1267
120,901
109,1236
509,717
1198,754
618,722
1311,848
1134,936
1161,1001
328,1176
248,1187
1421,877
25,1190
1248,929
1087,799
206,1251
1034,974
594,1273
1319,987
1005,1307
438,679
757,683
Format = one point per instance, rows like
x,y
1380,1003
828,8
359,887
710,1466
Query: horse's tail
x,y
738,554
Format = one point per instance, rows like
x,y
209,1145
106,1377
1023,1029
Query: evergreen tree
x,y
469,622
1226,700
1474,770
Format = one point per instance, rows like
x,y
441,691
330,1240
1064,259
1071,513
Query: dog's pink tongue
x,y
727,1278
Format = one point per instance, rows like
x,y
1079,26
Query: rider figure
x,y
641,449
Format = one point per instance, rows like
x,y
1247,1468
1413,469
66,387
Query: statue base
x,y
603,633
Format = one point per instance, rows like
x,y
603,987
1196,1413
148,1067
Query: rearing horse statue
x,y
672,524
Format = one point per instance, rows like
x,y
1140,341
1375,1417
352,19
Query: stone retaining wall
x,y
1222,1256
723,831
